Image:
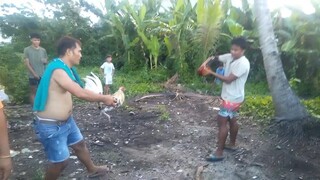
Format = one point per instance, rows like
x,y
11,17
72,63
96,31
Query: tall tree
x,y
287,104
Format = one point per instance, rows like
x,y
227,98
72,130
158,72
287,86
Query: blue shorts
x,y
56,139
227,113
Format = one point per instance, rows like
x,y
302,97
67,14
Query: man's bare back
x,y
59,103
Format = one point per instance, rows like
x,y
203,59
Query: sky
x,y
304,5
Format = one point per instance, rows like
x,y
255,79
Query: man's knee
x,y
233,122
59,166
222,121
79,146
33,89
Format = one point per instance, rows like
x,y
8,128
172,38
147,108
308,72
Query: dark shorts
x,y
57,138
34,81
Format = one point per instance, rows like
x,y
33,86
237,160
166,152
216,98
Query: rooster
x,y
4,96
93,83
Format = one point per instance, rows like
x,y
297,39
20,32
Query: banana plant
x,y
151,42
120,27
209,14
178,31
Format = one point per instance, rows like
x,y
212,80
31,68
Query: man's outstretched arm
x,y
62,78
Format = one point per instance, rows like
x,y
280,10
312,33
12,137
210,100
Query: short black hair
x,y
109,55
35,35
65,43
240,41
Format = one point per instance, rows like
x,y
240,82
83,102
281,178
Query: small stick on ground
x,y
152,96
199,171
178,96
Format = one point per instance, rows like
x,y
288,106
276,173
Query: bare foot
x,y
99,171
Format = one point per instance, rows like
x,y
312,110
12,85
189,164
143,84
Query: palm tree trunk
x,y
150,60
287,104
155,62
129,60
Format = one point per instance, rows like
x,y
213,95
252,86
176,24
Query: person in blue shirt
x,y
220,71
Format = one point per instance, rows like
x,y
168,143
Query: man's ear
x,y
69,52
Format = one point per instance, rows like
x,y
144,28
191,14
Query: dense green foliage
x,y
313,106
13,74
261,107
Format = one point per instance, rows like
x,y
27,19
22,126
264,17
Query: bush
x,y
13,75
313,106
260,107
15,82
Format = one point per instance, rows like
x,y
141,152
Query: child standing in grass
x,y
107,69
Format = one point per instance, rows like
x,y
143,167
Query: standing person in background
x,y
220,71
5,158
35,58
107,69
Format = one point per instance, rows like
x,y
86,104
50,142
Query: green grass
x,y
39,175
165,115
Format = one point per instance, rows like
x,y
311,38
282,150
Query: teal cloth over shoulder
x,y
40,100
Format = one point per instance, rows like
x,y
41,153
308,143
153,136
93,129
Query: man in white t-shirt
x,y
107,69
235,76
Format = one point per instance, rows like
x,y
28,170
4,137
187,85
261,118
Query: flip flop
x,y
102,170
230,148
214,158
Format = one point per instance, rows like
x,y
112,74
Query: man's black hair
x,y
35,35
240,41
108,56
65,43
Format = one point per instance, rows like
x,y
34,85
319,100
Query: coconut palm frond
x,y
209,14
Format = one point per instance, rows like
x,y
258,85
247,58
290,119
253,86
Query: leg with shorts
x,y
56,139
228,113
108,83
33,83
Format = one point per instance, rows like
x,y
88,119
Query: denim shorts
x,y
56,139
34,82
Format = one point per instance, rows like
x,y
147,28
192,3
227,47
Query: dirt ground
x,y
160,139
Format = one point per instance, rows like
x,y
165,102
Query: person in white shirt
x,y
107,69
235,76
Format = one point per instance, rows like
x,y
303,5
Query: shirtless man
x,y
5,158
54,125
